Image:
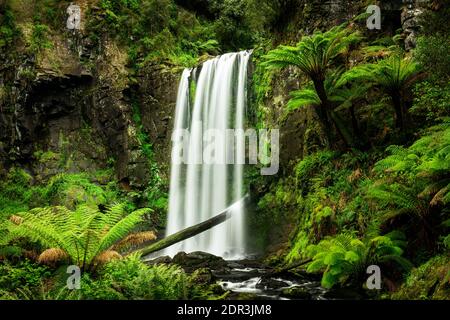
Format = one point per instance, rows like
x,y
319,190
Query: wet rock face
x,y
52,105
74,100
410,22
157,92
66,114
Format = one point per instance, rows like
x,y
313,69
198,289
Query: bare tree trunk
x,y
354,121
322,110
342,129
396,100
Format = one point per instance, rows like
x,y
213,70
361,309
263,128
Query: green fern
x,y
344,258
424,165
395,75
316,56
413,187
85,237
337,89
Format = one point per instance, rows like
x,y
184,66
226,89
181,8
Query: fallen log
x,y
191,231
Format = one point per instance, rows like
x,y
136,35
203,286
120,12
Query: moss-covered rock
x,y
296,293
429,281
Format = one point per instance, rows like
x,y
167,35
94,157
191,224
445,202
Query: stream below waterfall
x,y
249,280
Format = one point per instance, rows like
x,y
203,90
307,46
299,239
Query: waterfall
x,y
201,189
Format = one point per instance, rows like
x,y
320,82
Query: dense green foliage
x,y
371,185
154,30
394,105
394,76
8,29
118,280
131,279
406,191
19,192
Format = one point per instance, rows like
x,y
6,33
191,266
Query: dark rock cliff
x,y
73,100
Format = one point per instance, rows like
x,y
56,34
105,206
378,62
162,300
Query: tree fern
x,y
315,56
344,258
414,183
337,89
394,75
85,237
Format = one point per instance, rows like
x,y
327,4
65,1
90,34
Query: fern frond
x,y
81,236
301,98
120,229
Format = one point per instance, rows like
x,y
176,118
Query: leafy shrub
x,y
8,29
155,30
433,47
39,37
16,192
20,192
73,189
329,197
22,275
431,100
232,27
131,279
433,53
310,165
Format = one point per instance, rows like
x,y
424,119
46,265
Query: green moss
x,y
40,38
8,29
429,281
44,157
73,189
16,193
262,88
298,248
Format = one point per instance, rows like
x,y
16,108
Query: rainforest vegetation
x,y
368,183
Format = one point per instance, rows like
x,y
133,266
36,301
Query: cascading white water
x,y
200,190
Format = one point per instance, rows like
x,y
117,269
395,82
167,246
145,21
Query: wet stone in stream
x,y
246,279
251,283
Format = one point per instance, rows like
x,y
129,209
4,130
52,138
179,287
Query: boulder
x,y
196,260
269,283
159,260
296,292
202,276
